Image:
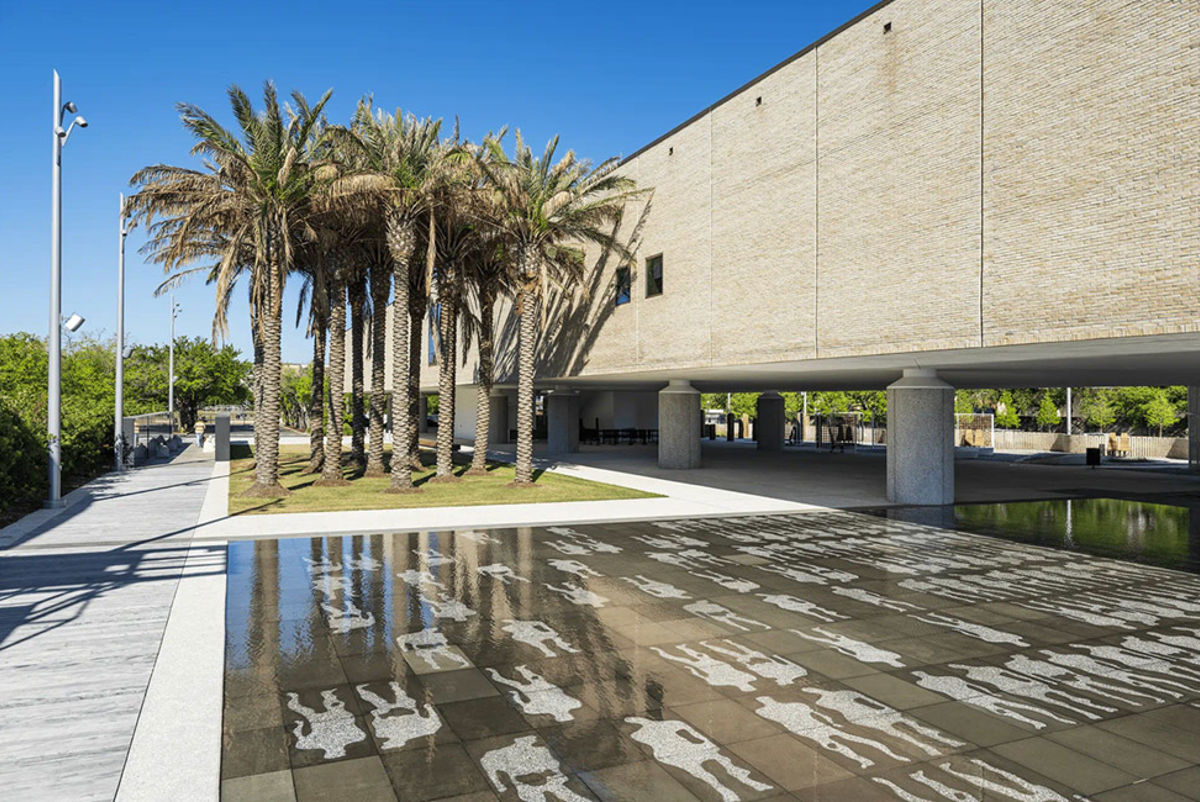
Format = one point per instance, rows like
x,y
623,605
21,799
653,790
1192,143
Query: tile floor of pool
x,y
830,656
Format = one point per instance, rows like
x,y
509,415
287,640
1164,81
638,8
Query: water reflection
x,y
1159,534
595,660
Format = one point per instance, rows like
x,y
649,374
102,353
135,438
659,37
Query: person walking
x,y
199,430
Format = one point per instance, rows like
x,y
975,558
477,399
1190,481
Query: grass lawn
x,y
367,494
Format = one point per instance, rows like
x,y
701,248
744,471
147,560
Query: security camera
x,y
80,121
70,107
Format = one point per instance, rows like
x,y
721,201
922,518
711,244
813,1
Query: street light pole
x,y
1068,410
171,369
54,370
119,405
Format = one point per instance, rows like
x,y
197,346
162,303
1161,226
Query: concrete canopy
x,y
1155,360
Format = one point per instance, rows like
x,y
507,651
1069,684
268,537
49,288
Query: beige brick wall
x,y
899,181
1092,181
986,173
764,218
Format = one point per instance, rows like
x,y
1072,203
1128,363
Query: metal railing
x,y
148,426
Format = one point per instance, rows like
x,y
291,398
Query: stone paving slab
x,y
84,598
858,658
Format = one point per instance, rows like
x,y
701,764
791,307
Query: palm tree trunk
x,y
483,394
447,335
266,436
379,298
401,236
256,339
332,471
416,320
358,295
316,403
525,365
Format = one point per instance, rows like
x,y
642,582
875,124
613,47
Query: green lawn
x,y
367,494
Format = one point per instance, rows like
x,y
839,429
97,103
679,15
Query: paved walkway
x,y
84,601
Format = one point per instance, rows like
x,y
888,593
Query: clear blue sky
x,y
608,77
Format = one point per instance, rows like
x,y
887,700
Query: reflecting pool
x,y
1156,533
826,655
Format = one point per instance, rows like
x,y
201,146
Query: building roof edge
x,y
799,54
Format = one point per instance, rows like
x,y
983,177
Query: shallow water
x,y
831,655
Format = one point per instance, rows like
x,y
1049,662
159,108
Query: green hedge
x,y
22,463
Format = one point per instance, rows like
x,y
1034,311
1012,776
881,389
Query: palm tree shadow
x,y
575,316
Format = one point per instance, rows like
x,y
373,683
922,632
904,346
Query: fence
x,y
238,415
974,429
847,429
149,426
1140,447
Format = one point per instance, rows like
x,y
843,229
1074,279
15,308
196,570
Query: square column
x,y
920,447
562,422
679,424
498,419
771,428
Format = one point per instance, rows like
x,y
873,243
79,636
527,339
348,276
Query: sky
x,y
607,77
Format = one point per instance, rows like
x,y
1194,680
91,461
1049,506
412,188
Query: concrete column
x,y
422,413
679,422
772,423
920,448
498,428
221,448
562,422
1193,421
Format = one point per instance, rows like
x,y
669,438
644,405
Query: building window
x,y
435,319
654,276
623,286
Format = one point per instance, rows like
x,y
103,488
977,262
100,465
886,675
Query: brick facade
x,y
983,173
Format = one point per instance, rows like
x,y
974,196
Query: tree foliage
x,y
205,375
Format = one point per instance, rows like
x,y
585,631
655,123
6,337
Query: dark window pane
x,y
654,275
623,293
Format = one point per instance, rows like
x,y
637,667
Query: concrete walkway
x,y
85,597
857,479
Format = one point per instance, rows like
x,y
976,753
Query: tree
x,y
547,208
1159,412
829,402
489,276
1094,408
253,197
397,167
204,375
1006,412
331,471
1047,415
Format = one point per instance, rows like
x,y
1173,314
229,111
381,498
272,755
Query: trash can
x,y
1093,457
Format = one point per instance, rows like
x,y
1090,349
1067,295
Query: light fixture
x,y
73,323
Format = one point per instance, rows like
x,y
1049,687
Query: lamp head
x,y
128,352
80,121
70,107
73,323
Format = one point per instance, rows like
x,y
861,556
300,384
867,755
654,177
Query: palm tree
x,y
546,209
311,264
398,164
343,256
489,277
257,191
379,274
356,292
